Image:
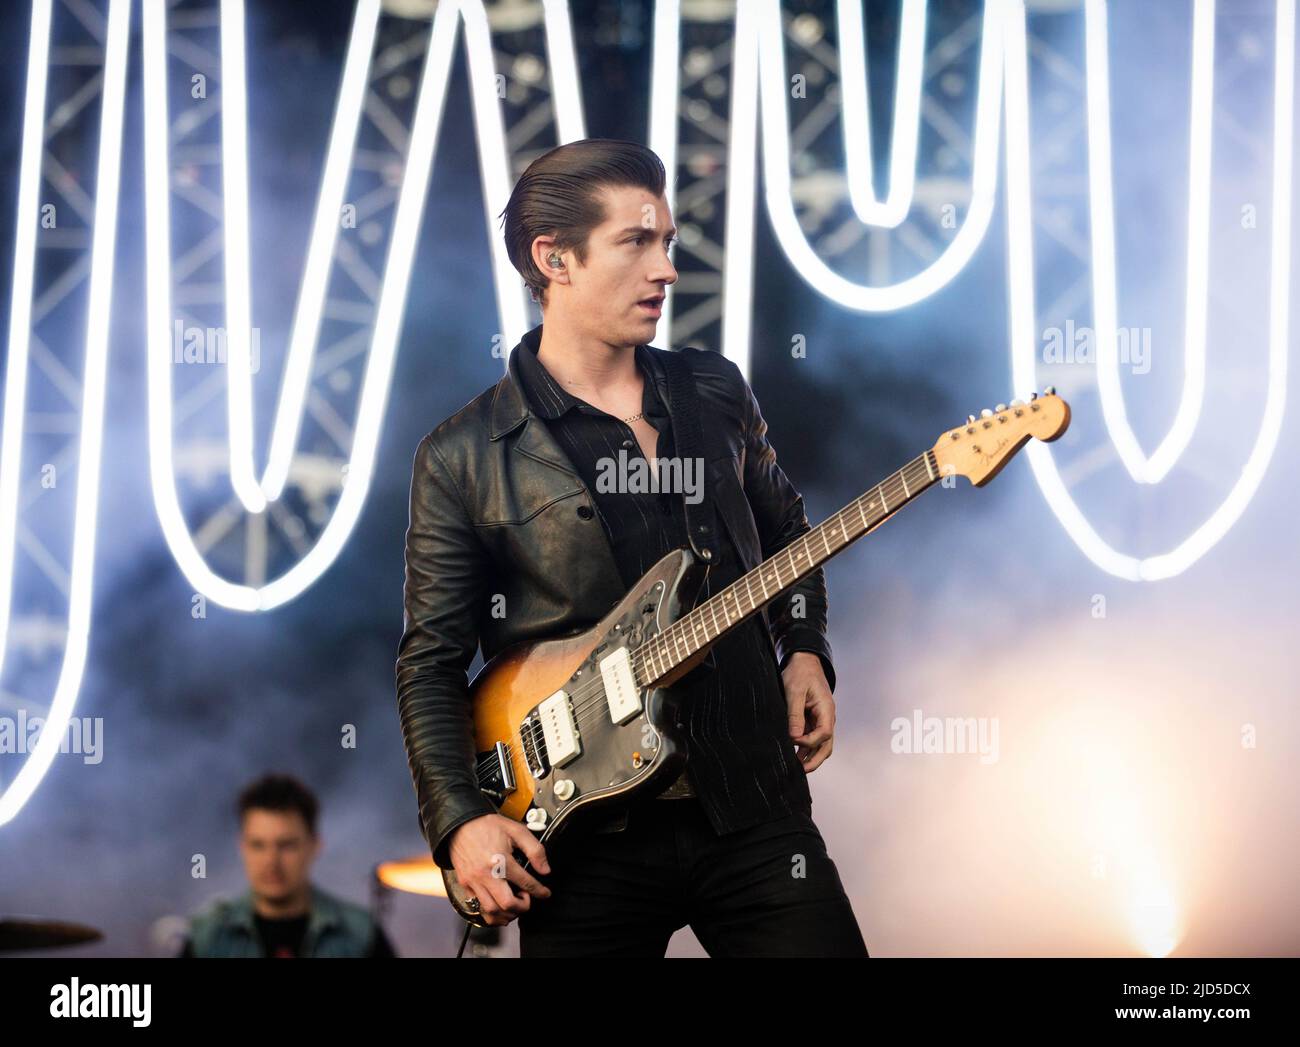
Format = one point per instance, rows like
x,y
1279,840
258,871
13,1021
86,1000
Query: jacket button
x,y
584,511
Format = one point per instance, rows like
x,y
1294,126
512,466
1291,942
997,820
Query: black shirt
x,y
282,939
741,760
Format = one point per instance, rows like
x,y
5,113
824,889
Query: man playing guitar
x,y
516,534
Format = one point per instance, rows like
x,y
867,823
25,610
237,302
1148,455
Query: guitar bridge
x,y
496,772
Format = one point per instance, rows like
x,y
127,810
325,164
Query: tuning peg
x,y
970,419
1000,408
986,413
1017,403
1050,390
1033,396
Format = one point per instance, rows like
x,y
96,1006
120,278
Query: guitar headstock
x,y
979,449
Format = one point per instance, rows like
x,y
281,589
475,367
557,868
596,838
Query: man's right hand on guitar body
x,y
482,853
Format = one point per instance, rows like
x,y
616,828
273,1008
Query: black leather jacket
x,y
504,546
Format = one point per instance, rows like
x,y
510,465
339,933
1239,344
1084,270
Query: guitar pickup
x,y
621,690
559,730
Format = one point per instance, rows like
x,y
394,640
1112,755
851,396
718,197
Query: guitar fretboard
x,y
725,610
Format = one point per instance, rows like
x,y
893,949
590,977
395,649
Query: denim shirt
x,y
335,928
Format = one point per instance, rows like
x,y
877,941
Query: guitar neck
x,y
723,611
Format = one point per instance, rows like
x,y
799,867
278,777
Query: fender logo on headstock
x,y
988,456
979,449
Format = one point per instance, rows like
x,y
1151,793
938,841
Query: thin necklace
x,y
581,385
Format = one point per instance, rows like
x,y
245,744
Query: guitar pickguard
x,y
627,735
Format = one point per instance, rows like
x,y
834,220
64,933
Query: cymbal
x,y
416,875
28,932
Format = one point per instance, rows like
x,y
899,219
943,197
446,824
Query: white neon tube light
x,y
20,301
98,313
566,89
1022,296
856,110
401,251
1105,298
776,169
665,98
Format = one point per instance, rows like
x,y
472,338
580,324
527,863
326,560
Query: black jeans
x,y
771,890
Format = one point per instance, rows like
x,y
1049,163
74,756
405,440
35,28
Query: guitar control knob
x,y
564,789
535,819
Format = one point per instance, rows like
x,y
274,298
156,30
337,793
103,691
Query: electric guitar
x,y
566,727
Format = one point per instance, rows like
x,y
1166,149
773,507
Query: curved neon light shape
x,y
1021,300
99,309
379,365
758,25
856,110
1101,194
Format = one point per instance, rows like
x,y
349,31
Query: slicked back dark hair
x,y
559,195
279,792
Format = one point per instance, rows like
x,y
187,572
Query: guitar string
x,y
587,700
591,690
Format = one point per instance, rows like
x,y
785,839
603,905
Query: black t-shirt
x,y
282,939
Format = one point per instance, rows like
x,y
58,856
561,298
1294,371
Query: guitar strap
x,y
688,444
